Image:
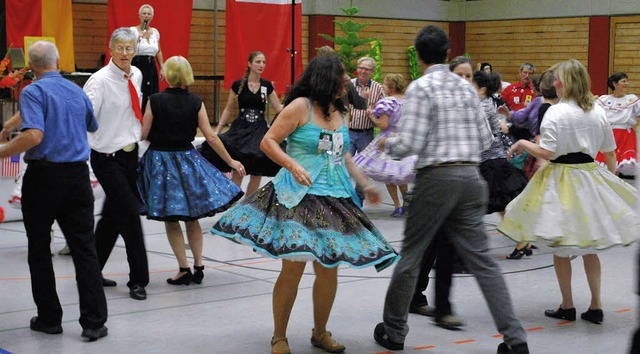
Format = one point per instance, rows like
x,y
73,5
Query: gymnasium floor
x,y
231,311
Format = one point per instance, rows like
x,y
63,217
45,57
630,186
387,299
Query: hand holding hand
x,y
381,143
5,134
504,110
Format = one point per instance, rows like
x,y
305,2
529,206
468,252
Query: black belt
x,y
126,150
573,158
147,58
361,130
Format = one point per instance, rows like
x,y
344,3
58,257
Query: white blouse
x,y
148,46
566,128
622,112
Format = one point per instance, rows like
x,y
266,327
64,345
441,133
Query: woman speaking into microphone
x,y
148,51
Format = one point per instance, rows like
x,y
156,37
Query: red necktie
x,y
135,101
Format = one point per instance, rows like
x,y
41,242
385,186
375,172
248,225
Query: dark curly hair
x,y
321,81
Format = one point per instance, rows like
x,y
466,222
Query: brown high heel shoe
x,y
326,342
280,345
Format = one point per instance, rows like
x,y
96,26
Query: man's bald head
x,y
43,56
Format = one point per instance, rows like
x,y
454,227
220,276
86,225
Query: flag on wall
x,y
262,25
42,18
170,17
11,166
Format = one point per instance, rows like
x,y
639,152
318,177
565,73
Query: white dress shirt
x,y
118,126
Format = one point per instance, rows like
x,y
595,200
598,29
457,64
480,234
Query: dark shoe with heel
x,y
519,253
108,282
198,274
563,314
382,338
184,279
38,326
593,316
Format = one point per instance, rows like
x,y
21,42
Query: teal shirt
x,y
328,178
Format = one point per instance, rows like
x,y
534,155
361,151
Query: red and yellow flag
x,y
38,18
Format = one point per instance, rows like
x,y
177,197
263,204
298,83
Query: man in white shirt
x,y
115,93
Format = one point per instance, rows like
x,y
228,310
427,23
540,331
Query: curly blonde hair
x,y
395,82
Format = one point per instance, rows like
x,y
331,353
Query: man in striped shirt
x,y
360,125
444,124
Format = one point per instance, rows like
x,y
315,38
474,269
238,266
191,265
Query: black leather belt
x,y
454,163
573,158
361,130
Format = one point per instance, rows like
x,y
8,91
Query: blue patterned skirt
x,y
182,186
331,231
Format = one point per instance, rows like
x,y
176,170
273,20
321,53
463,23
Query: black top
x,y
175,119
248,99
541,111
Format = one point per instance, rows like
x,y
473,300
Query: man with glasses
x,y
114,91
360,125
519,94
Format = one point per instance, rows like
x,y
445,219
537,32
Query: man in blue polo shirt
x,y
56,116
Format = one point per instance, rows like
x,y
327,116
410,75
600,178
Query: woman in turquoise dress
x,y
309,211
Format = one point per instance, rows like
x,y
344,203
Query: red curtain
x,y
24,18
262,25
172,19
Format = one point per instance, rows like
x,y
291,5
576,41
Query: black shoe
x,y
380,335
519,253
198,274
184,279
424,310
593,316
93,334
449,322
137,292
37,326
108,282
563,314
521,348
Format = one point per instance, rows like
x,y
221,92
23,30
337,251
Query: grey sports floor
x,y
231,311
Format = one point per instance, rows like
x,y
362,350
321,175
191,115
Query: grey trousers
x,y
453,199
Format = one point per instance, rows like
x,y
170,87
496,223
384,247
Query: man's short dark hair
x,y
432,44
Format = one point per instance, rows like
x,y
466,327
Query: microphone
x,y
144,25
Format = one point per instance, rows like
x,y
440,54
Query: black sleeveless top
x,y
175,119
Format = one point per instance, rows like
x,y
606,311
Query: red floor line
x,y
532,329
622,310
497,335
464,341
563,323
425,347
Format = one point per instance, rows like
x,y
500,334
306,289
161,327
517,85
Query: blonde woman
x,y
249,95
175,182
572,204
148,52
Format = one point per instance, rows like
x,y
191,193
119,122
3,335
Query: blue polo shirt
x,y
63,112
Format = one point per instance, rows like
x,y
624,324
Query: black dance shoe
x,y
593,316
519,253
198,274
563,314
93,334
185,279
38,326
137,292
108,282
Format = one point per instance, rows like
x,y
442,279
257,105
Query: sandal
x,y
326,342
280,345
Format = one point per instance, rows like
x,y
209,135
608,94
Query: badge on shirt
x,y
516,100
338,145
263,93
325,143
528,99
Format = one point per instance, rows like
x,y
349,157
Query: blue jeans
x,y
358,141
452,199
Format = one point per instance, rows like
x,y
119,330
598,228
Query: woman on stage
x,y
148,53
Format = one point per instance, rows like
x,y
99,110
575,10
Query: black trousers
x,y
442,250
121,212
62,192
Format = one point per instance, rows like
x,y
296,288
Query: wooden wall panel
x,y
625,41
543,42
89,34
396,36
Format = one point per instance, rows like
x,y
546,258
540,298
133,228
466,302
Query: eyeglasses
x,y
121,50
364,68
